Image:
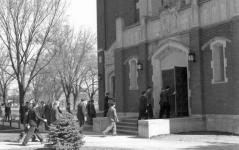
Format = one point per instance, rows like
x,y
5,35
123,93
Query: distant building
x,y
190,45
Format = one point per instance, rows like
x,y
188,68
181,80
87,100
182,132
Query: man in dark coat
x,y
106,105
91,111
150,102
8,112
142,106
32,120
81,112
165,97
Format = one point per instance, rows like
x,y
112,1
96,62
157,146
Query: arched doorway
x,y
170,68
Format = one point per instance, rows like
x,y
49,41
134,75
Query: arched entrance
x,y
170,68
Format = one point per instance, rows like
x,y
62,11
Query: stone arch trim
x,y
108,81
157,76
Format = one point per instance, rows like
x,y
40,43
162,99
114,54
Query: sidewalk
x,y
94,141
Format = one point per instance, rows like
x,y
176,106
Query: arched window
x,y
133,74
219,61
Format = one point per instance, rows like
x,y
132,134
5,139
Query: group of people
x,y
146,103
33,115
86,112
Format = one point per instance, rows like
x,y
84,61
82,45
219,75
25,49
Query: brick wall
x,y
107,12
128,99
222,98
195,69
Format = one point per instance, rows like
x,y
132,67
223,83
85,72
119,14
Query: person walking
x,y
47,113
150,102
81,112
164,103
113,118
91,111
32,118
56,113
142,106
25,110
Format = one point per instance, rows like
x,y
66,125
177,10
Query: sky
x,y
82,13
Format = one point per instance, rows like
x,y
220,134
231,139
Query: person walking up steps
x,y
112,115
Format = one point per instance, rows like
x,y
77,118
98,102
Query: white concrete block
x,y
150,128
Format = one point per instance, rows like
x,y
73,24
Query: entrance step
x,y
128,126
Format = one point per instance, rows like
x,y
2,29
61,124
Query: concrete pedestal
x,y
100,123
150,128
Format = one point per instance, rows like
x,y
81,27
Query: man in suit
x,y
106,105
150,102
164,103
142,106
32,120
81,112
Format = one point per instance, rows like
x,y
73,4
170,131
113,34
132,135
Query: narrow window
x,y
218,62
133,74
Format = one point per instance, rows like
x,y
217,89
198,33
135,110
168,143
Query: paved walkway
x,y
193,141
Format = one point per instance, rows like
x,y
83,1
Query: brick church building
x,y
190,45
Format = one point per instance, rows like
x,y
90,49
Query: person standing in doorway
x,y
113,118
164,103
106,105
150,102
142,106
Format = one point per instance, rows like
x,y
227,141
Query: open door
x,y
169,80
181,87
176,79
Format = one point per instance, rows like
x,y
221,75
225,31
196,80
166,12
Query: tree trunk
x,y
68,104
75,99
21,101
4,97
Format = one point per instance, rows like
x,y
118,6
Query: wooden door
x,y
181,87
168,79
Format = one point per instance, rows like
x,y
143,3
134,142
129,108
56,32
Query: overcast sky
x,y
82,13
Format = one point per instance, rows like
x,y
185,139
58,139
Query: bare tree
x,y
73,49
6,75
91,77
25,29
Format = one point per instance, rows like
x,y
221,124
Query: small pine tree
x,y
66,135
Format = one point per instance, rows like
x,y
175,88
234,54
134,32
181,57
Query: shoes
x,y
103,133
114,134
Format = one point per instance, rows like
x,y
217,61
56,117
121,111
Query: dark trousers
x,y
164,108
30,133
105,112
7,116
142,114
150,111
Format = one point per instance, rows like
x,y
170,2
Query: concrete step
x,y
127,132
127,128
130,120
130,124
